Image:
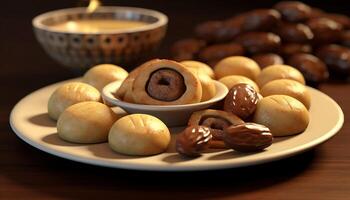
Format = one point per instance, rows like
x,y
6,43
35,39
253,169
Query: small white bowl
x,y
172,115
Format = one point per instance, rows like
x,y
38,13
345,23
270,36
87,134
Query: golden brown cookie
x,y
207,83
288,87
200,67
100,75
69,94
77,124
139,134
282,114
237,65
275,72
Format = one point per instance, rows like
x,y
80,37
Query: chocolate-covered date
x,y
289,49
241,100
267,59
248,137
193,140
293,11
325,30
186,49
313,69
294,33
259,42
220,51
260,19
337,58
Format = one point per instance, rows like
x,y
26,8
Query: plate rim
x,y
156,167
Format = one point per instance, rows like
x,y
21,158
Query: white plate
x,y
31,123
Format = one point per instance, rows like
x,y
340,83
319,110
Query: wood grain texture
x,y
27,173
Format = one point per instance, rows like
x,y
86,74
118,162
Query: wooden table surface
x,y
27,173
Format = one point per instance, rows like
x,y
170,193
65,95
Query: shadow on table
x,y
90,182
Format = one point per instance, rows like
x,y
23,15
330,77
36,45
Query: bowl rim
x,y
162,19
109,89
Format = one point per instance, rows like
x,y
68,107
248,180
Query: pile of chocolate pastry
x,y
315,42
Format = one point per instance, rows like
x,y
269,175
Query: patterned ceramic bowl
x,y
80,50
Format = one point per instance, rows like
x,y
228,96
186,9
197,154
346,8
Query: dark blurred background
x,y
19,48
24,67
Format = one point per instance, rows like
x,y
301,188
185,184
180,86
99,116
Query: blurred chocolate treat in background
x,y
215,31
294,33
294,11
345,38
217,52
325,30
337,58
187,49
257,20
288,49
313,69
308,38
267,59
259,42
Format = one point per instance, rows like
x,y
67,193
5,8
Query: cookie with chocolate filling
x,y
166,82
125,90
216,121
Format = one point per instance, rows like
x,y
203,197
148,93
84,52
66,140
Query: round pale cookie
x,y
86,122
233,80
275,72
69,94
288,87
282,114
208,87
139,134
237,65
100,75
200,67
207,83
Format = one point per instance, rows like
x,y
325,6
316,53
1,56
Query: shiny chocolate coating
x,y
220,51
294,33
267,59
293,11
248,137
216,31
216,126
289,49
166,85
186,49
241,100
325,30
260,19
339,18
313,69
337,58
193,140
259,42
